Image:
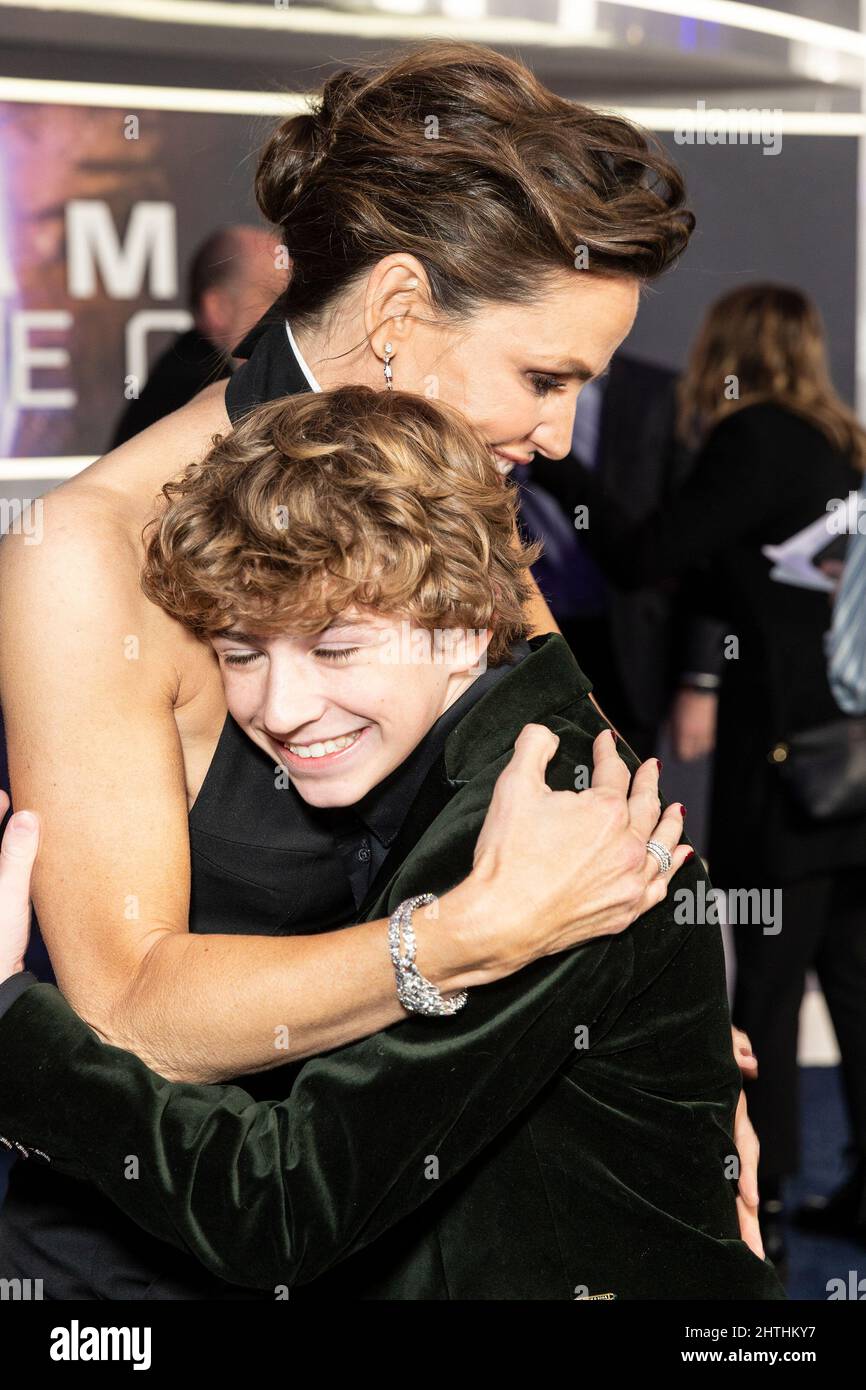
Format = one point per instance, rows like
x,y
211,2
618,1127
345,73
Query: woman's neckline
x,y
314,385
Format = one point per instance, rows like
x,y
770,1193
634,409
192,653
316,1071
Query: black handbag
x,y
824,768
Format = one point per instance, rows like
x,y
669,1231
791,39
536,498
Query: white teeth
x,y
504,465
319,750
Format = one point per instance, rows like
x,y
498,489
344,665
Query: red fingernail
x,y
659,764
682,808
690,855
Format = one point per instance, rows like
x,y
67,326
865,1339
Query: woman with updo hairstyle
x,y
457,231
467,162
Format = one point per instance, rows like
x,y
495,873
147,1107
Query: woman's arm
x,y
95,684
92,685
94,747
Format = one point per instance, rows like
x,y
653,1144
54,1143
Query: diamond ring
x,y
661,854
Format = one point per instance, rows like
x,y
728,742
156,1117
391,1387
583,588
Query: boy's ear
x,y
472,649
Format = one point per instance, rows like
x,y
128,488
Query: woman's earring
x,y
389,352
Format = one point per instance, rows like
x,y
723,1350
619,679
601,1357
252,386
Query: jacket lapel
x,y
546,682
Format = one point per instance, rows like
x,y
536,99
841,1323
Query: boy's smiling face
x,y
342,708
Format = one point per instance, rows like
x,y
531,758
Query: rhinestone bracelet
x,y
416,993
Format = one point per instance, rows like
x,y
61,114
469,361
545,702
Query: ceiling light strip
x,y
123,95
732,14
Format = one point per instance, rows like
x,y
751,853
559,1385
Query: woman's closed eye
x,y
542,384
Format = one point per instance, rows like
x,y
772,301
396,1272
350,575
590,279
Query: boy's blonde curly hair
x,y
321,502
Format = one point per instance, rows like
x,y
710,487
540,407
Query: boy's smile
x,y
322,751
330,748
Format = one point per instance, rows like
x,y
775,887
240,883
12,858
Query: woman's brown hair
x,y
320,502
461,157
770,340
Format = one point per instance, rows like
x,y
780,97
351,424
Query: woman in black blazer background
x,y
775,445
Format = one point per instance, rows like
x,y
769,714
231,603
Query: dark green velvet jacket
x,y
565,1135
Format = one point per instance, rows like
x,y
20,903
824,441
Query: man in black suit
x,y
232,281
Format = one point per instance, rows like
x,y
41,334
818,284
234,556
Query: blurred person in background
x,y
776,446
232,280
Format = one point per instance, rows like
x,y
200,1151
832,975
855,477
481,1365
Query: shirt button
x,y
364,852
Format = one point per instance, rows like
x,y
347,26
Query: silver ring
x,y
661,854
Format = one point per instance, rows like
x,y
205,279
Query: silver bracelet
x,y
416,993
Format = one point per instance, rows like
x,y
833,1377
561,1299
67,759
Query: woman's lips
x,y
298,762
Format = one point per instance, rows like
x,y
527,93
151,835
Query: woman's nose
x,y
553,437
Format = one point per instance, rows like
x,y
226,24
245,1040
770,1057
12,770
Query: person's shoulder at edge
x,y
760,443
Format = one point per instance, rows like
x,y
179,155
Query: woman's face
x,y
519,369
515,370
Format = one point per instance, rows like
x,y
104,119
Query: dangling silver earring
x,y
389,352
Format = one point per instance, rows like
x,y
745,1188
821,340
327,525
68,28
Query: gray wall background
x,y
790,218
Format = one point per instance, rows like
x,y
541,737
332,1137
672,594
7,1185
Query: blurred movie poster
x,y
100,211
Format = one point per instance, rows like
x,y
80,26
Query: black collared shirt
x,y
365,832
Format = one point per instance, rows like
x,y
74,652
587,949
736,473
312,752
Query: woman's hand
x,y
591,873
748,1149
17,857
746,1059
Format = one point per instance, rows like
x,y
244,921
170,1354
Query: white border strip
x,y
294,19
